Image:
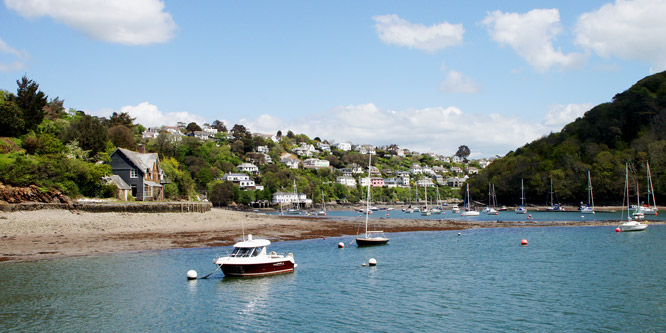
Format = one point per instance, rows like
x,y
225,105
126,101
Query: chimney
x,y
142,149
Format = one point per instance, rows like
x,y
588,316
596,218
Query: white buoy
x,y
341,245
459,234
191,274
372,262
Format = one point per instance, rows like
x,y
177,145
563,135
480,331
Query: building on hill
x,y
248,167
313,163
344,146
141,171
346,181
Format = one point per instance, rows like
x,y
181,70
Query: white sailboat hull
x,y
633,226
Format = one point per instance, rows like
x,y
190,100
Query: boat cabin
x,y
250,248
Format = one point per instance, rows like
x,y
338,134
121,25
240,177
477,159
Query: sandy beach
x,y
47,234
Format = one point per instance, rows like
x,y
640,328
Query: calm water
x,y
576,278
506,216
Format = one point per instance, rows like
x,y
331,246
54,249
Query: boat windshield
x,y
246,252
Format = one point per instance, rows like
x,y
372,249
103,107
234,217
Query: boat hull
x,y
257,269
371,241
633,226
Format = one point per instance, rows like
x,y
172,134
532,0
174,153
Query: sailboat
x,y
521,209
651,207
425,211
323,205
370,237
638,214
296,209
492,201
629,224
436,209
589,208
468,206
553,206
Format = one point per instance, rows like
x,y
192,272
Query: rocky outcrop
x,y
32,193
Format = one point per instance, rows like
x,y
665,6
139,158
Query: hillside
x,y
631,128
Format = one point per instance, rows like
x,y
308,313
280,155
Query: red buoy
x,y
618,229
523,242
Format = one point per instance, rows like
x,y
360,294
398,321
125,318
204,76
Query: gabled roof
x,y
120,183
141,161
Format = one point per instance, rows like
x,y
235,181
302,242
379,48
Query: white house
x,y
346,181
415,169
323,146
427,170
346,146
456,169
425,182
262,149
455,182
356,169
314,163
290,197
248,167
235,177
365,181
458,159
472,170
392,182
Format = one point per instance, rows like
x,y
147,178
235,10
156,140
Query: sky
x,y
428,76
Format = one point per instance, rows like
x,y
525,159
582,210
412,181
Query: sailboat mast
x,y
367,200
650,188
551,193
590,196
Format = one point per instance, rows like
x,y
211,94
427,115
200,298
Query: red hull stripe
x,y
257,269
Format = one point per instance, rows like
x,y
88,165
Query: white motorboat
x,y
250,258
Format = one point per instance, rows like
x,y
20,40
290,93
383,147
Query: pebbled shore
x,y
53,233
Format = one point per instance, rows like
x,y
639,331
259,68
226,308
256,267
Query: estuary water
x,y
566,279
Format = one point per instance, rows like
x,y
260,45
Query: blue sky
x,y
426,75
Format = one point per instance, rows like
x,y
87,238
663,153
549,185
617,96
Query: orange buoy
x,y
523,242
618,229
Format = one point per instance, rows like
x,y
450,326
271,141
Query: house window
x,y
133,173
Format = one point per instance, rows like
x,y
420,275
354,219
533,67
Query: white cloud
x,y
394,30
631,30
457,82
560,115
132,22
437,129
17,61
531,35
149,115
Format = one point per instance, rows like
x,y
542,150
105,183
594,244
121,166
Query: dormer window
x,y
133,173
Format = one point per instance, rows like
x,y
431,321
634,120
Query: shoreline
x,y
50,234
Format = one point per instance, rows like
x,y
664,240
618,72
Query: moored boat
x,y
629,224
250,258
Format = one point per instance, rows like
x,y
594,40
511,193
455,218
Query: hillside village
x,y
82,155
299,152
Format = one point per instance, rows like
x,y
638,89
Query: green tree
x,y
193,127
32,101
122,118
221,193
55,109
89,132
463,151
11,119
121,136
